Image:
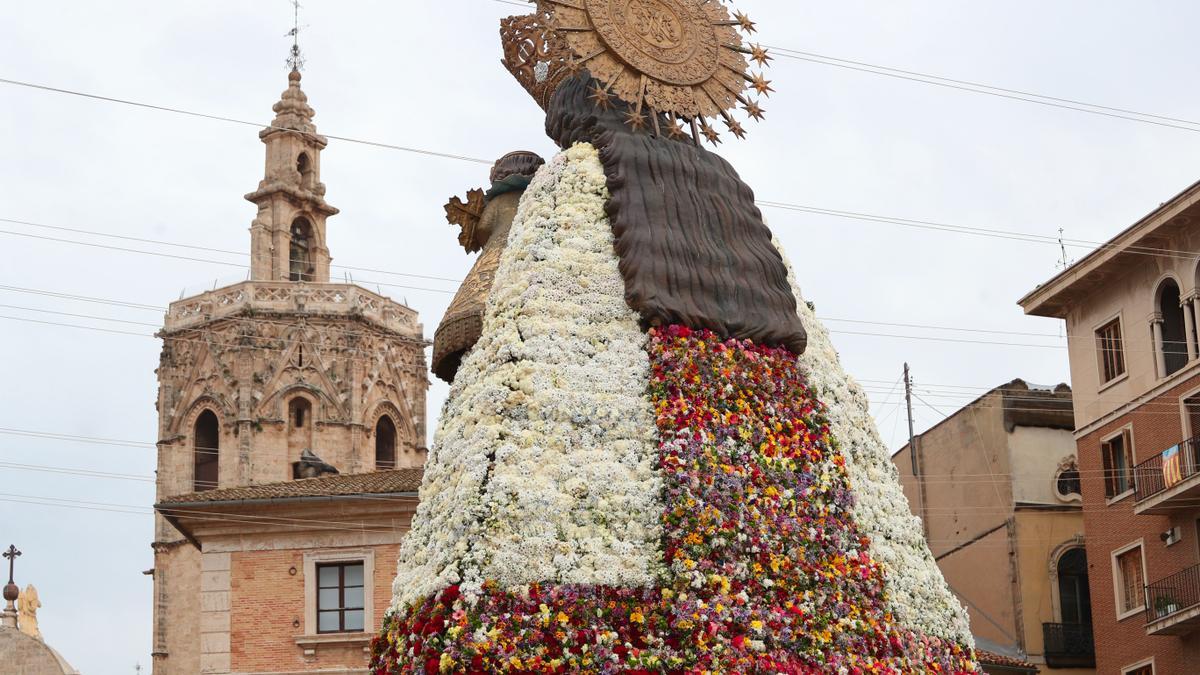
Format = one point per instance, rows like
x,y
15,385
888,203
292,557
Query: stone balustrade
x,y
292,297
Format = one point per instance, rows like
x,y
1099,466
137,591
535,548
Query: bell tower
x,y
287,237
278,379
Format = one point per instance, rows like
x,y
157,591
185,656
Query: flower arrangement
x,y
604,500
917,592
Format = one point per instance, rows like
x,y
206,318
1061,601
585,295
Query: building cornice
x,y
1192,370
1050,299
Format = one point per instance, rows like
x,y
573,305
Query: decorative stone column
x,y
1189,326
1191,315
1156,329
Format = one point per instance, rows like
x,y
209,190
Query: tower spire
x,y
295,59
287,238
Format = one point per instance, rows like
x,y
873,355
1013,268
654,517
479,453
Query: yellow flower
x,y
756,625
563,618
637,617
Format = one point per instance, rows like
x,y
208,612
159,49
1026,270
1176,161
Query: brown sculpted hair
x,y
692,245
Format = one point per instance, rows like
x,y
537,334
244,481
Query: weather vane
x,y
295,59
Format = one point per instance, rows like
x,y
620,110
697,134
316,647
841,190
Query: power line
x,y
209,249
221,118
173,256
987,90
1002,234
974,87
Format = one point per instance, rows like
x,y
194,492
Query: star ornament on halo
x,y
755,111
760,84
601,97
745,22
759,55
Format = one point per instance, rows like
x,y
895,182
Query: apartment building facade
x,y
996,486
1131,310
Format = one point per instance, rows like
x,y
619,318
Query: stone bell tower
x,y
287,238
280,378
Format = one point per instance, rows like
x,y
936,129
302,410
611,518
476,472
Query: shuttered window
x,y
1112,351
1131,580
1118,464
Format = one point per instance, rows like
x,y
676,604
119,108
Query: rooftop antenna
x,y
1064,263
295,59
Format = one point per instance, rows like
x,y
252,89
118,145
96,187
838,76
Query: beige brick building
x,y
265,561
996,485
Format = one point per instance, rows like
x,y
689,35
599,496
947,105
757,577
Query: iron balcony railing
x,y
1173,595
1167,469
1068,645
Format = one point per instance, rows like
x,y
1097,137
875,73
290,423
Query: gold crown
x,y
536,54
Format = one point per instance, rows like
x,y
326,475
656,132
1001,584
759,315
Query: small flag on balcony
x,y
1172,467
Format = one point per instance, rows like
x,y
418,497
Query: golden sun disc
x,y
677,57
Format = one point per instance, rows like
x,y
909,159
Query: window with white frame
x,y
1146,668
339,593
1111,351
341,597
1129,579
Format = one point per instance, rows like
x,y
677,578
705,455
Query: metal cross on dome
x,y
12,554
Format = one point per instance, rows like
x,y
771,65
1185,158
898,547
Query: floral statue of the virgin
x,y
651,460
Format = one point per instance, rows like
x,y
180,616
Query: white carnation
x,y
544,467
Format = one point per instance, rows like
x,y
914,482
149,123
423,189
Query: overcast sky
x,y
426,75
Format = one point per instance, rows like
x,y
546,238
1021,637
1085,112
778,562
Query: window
x,y
340,598
304,166
298,412
1067,484
206,447
330,599
300,425
1112,352
300,263
1118,464
1174,335
1075,598
1130,577
1144,669
385,443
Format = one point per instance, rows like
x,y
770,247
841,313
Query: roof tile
x,y
346,485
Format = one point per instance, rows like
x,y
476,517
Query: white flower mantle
x,y
917,592
544,467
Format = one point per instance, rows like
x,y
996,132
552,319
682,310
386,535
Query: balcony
x,y
1173,604
1068,645
1168,480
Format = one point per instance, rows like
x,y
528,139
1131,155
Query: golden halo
x,y
682,58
